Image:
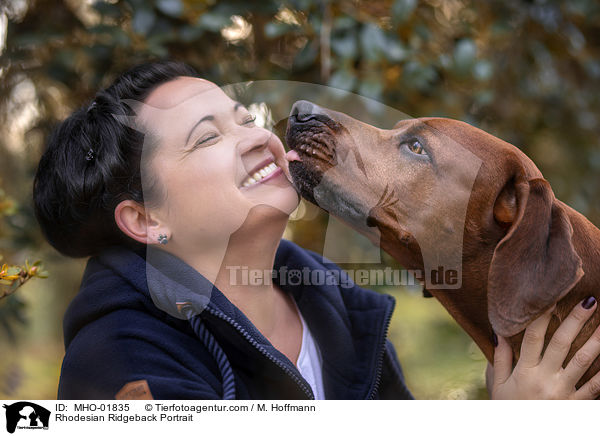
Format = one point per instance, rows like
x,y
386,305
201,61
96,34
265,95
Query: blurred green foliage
x,y
439,361
12,277
526,71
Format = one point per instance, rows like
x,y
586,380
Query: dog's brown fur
x,y
523,250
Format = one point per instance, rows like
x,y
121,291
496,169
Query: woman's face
x,y
213,164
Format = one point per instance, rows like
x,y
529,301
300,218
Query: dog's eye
x,y
415,147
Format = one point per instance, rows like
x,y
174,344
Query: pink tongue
x,y
292,155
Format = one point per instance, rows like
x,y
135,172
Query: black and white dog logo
x,y
26,415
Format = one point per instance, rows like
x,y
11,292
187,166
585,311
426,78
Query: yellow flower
x,y
36,270
10,273
15,276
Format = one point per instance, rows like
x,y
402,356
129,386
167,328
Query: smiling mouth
x,y
263,173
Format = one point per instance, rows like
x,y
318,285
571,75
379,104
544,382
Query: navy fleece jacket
x,y
115,333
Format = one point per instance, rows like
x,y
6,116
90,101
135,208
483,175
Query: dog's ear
x,y
535,264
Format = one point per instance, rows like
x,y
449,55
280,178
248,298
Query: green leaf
x,y
306,56
371,88
213,21
190,33
29,40
395,50
302,4
423,32
119,37
143,20
483,70
418,76
465,52
345,47
158,50
13,270
372,41
485,97
275,29
172,8
100,28
402,10
344,23
106,9
342,79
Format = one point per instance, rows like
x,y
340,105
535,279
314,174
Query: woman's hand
x,y
537,377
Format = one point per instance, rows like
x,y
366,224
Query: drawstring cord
x,y
218,354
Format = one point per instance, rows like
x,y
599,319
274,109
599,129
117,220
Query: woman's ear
x,y
134,220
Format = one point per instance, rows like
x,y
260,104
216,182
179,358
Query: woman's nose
x,y
253,139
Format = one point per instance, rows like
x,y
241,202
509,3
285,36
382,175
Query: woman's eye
x,y
415,147
249,119
205,139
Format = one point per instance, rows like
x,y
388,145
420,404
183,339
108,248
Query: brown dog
x,y
438,193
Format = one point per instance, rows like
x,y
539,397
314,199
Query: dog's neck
x,y
468,307
586,240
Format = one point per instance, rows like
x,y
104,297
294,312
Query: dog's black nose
x,y
303,111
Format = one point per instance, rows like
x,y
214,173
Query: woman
x,y
173,219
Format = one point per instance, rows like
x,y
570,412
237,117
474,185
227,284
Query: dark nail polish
x,y
494,339
588,302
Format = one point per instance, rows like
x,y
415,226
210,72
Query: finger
x,y
503,358
583,359
590,390
565,334
533,340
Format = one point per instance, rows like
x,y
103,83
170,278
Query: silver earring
x,y
162,239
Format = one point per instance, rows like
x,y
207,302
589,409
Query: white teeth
x,y
249,182
260,174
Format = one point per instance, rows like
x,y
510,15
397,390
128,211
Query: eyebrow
x,y
208,118
417,130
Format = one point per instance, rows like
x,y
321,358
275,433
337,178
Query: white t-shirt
x,y
310,362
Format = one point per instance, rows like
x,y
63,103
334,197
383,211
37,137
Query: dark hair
x,y
92,163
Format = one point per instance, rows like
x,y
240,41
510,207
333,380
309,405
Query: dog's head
x,y
452,194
